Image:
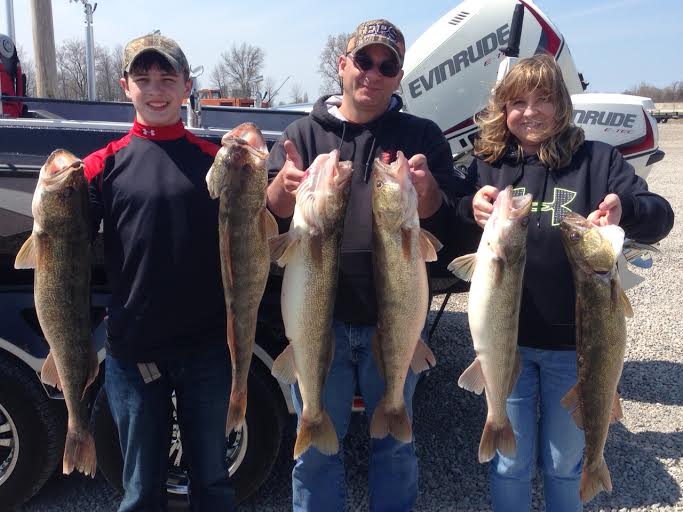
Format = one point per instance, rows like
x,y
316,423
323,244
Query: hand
x,y
291,172
482,203
608,212
429,196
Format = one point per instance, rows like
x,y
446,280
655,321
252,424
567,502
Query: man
x,y
363,123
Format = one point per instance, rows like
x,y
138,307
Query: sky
x,y
616,44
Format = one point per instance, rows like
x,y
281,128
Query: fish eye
x,y
525,221
575,237
379,184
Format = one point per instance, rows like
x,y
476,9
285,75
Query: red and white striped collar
x,y
170,132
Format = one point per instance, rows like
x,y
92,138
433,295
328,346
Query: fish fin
x,y
594,481
423,358
49,374
79,453
237,410
406,236
463,266
93,371
226,260
316,245
432,239
26,257
516,371
377,353
628,309
283,368
396,423
270,224
498,270
472,379
493,439
572,402
281,248
322,435
429,246
617,413
332,345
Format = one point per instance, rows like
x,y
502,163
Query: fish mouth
x,y
249,134
573,223
521,206
59,167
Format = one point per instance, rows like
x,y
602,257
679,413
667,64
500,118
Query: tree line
x,y
670,93
238,74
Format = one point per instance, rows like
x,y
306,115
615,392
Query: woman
x,y
527,140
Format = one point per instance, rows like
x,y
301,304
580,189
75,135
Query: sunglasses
x,y
389,68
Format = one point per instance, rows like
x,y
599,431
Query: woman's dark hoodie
x,y
597,169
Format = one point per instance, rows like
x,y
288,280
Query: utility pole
x,y
44,48
9,7
89,9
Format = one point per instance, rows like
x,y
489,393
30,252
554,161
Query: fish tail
x,y
594,480
492,439
237,410
385,422
321,434
79,453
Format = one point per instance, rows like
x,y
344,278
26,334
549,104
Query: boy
x,y
166,322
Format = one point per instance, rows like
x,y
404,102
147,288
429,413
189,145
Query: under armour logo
x,y
145,131
559,206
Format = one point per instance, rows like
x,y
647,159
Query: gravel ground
x,y
644,452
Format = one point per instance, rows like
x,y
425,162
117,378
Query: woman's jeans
x,y
142,411
553,439
318,481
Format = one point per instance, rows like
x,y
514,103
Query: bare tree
x,y
329,63
108,71
71,70
237,69
269,92
297,94
218,79
29,71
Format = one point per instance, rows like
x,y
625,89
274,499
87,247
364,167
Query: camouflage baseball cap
x,y
165,46
378,32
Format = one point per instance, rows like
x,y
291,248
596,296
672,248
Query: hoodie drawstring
x,y
341,142
371,155
540,203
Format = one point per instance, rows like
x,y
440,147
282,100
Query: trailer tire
x,y
251,462
34,427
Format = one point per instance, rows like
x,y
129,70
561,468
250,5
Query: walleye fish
x,y
601,306
399,249
59,251
310,253
239,177
496,272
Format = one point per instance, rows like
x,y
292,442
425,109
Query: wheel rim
x,y
9,445
236,443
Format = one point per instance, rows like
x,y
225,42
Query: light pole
x,y
257,96
9,7
89,9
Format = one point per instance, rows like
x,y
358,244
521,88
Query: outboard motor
x,y
12,80
451,68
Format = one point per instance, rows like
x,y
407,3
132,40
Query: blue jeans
x,y
551,439
318,481
142,411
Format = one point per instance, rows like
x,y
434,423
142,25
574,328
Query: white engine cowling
x,y
451,68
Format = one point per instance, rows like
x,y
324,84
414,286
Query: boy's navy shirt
x,y
161,248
